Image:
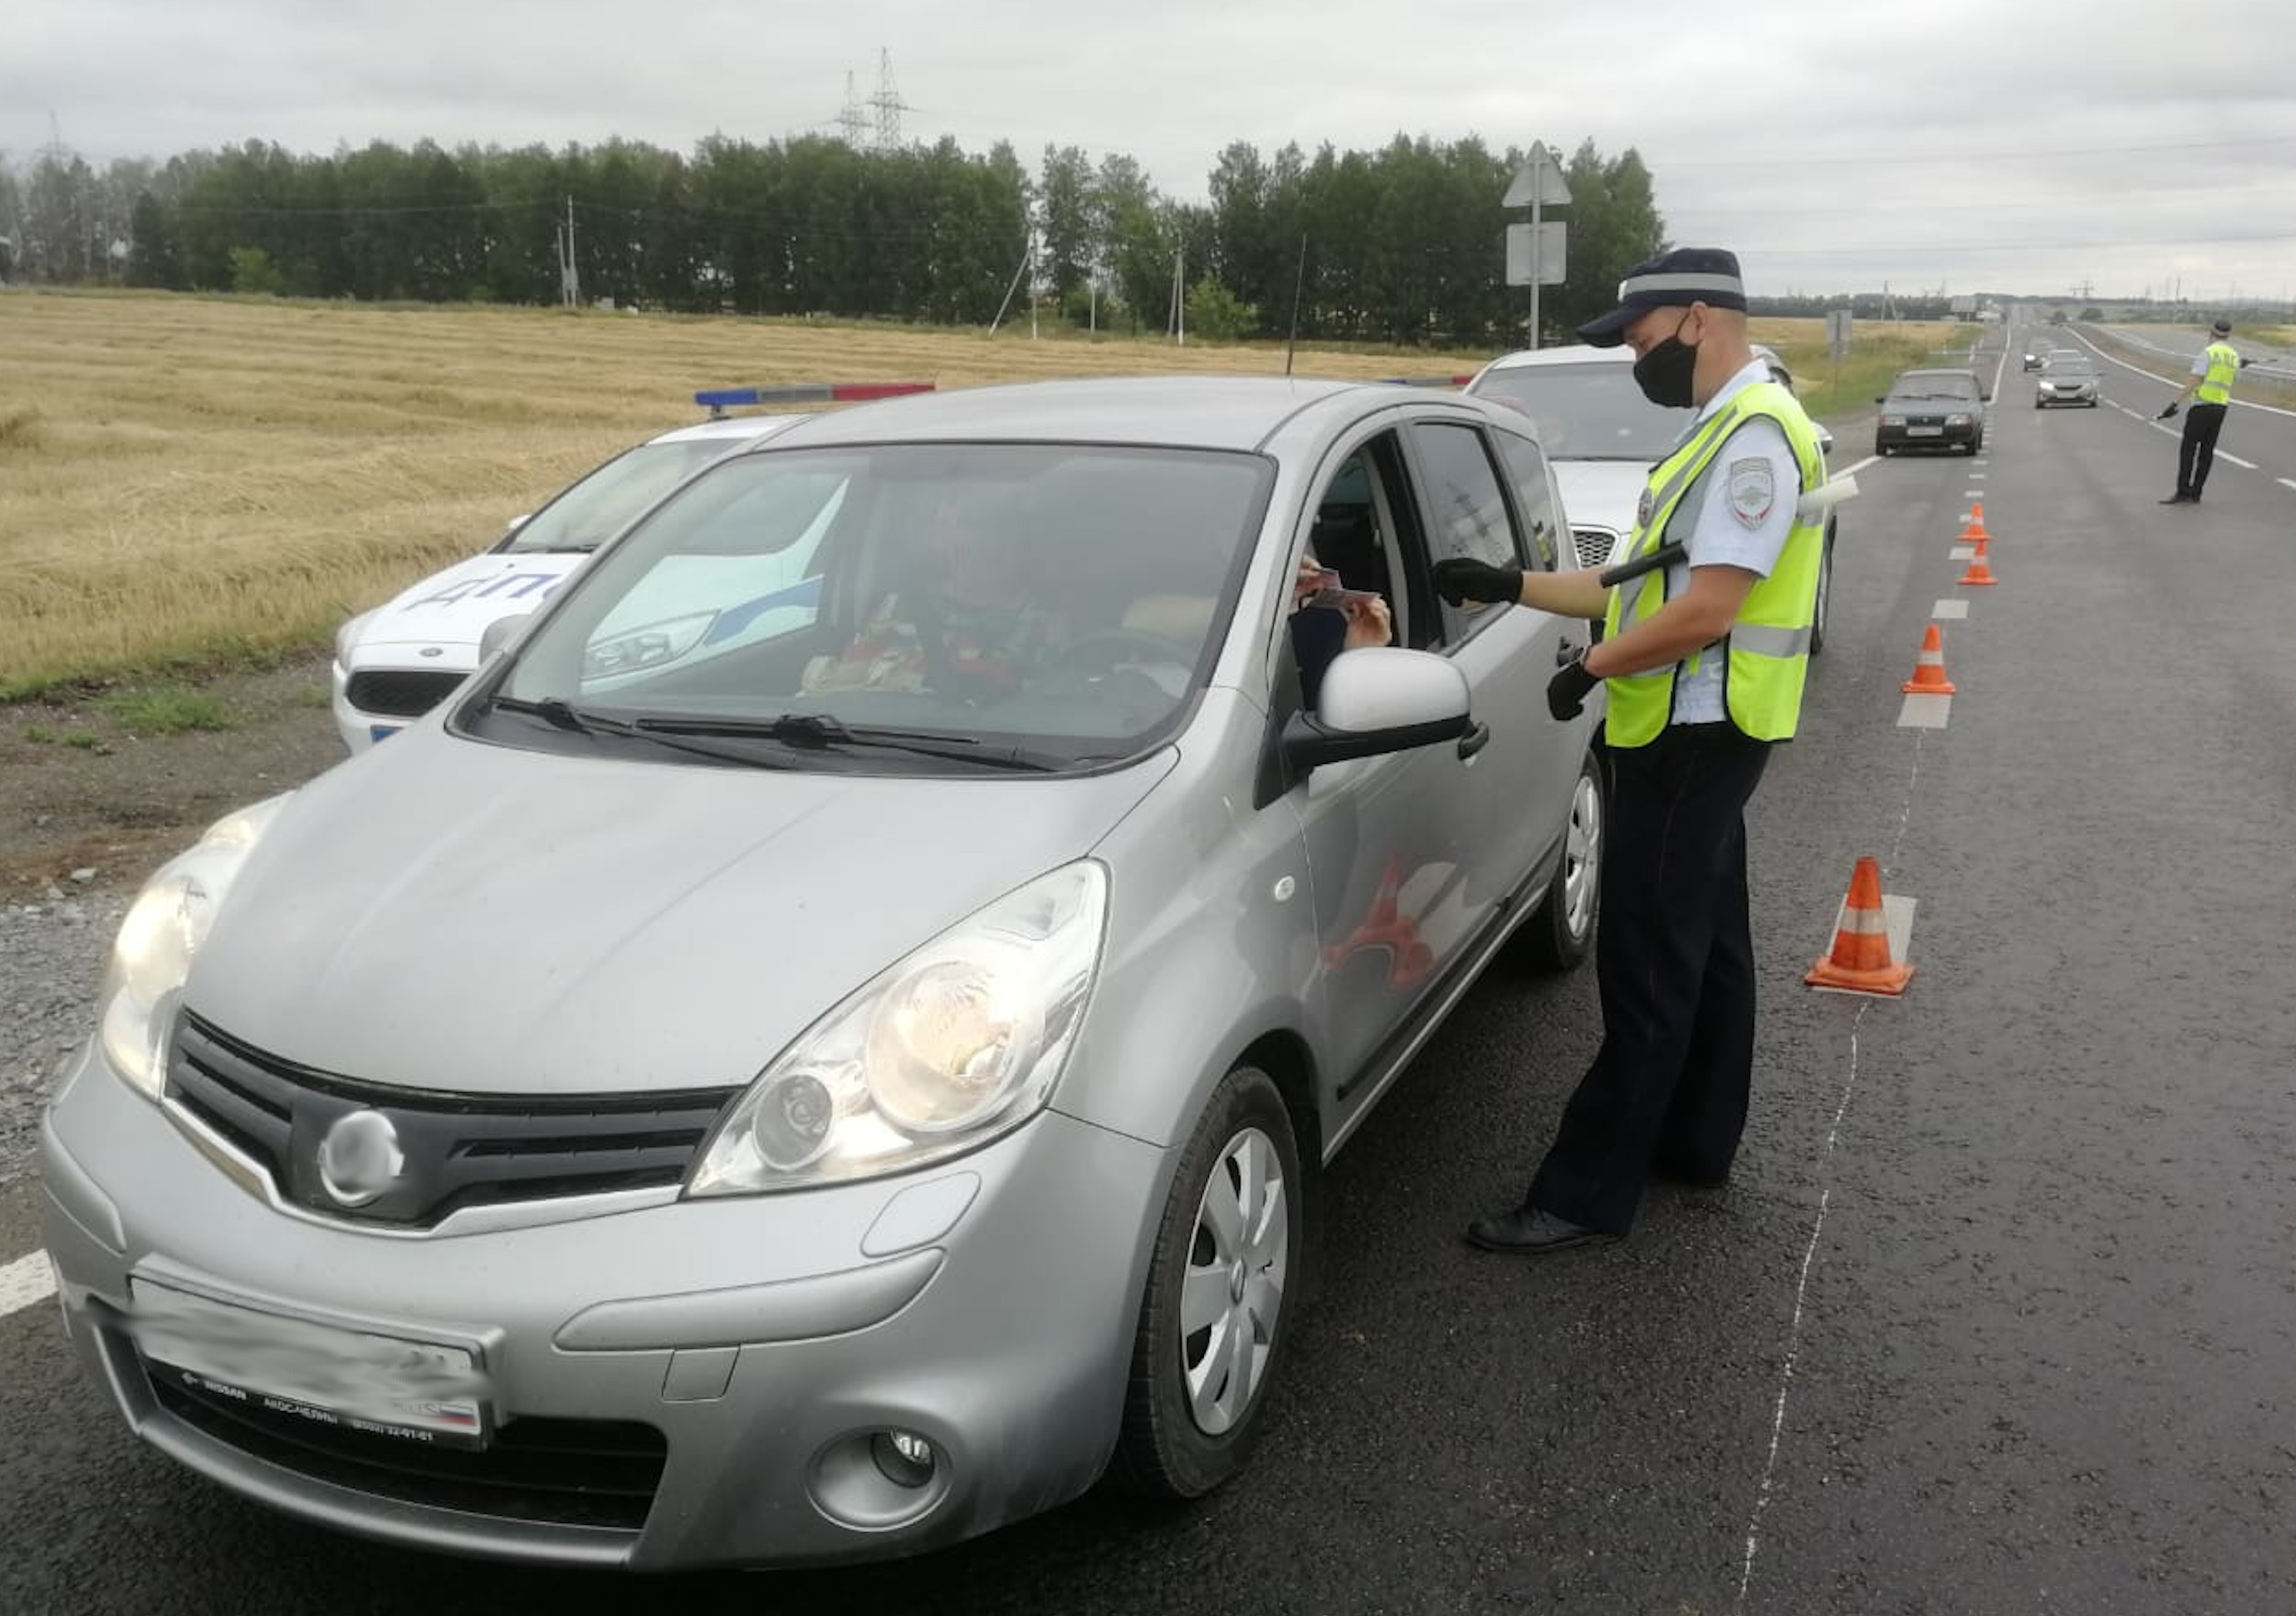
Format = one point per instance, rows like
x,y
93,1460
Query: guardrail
x,y
2259,368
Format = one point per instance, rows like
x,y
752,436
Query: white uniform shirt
x,y
1742,520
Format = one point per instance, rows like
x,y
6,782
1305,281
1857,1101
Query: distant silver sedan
x,y
834,1091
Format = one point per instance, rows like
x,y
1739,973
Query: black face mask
x,y
1665,372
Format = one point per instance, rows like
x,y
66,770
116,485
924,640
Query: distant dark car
x,y
1932,409
2066,378
2032,361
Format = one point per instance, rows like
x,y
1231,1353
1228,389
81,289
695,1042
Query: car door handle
x,y
1474,740
1567,652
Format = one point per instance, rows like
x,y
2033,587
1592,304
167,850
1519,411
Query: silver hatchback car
x,y
828,1096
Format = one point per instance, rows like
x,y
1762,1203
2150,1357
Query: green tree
x,y
253,272
1217,314
1071,250
154,257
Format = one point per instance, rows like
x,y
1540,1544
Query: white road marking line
x,y
1952,608
1973,494
25,1281
1890,906
2242,404
2236,460
1924,712
1977,477
1852,471
2286,483
1962,552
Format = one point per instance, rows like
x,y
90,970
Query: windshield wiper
x,y
818,732
562,714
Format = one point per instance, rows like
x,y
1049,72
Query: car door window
x,y
1534,504
1467,513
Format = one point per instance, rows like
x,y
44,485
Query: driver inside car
x,y
968,624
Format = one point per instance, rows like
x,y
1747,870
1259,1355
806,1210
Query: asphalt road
x,y
1995,1317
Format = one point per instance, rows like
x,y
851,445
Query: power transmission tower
x,y
888,104
850,121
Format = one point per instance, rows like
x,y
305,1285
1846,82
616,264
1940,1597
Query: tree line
x,y
1401,244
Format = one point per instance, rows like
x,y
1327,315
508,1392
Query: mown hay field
x,y
195,480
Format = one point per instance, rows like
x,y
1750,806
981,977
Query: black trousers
x,y
2198,451
1675,963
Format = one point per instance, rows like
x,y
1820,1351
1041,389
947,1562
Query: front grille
x,y
564,1473
1594,544
401,693
459,1150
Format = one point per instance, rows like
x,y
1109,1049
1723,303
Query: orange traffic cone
x,y
1929,668
1978,571
1974,528
1860,961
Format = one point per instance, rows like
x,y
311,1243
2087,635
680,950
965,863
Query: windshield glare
x,y
1062,597
1937,384
1587,412
602,504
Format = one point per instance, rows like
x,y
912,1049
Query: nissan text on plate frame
x,y
839,1088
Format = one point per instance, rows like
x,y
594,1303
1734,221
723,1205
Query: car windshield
x,y
1934,384
2071,368
1586,412
1059,602
602,504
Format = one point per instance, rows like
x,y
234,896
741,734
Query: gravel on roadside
x,y
51,956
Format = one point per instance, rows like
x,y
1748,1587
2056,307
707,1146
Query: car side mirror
x,y
1985,398
1378,700
497,635
1884,400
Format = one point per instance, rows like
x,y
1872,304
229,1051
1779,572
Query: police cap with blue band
x,y
1672,279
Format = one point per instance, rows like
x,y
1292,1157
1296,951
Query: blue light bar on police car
x,y
808,392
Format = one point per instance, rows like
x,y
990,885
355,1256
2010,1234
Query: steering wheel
x,y
1107,644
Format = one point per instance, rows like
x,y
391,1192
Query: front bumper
x,y
681,1385
1943,437
2046,397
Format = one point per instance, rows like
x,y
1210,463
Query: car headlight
x,y
347,636
958,1043
166,925
1893,421
647,647
1962,419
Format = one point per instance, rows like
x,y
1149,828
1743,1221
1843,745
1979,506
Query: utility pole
x,y
570,277
850,120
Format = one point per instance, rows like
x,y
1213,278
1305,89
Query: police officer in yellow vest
x,y
2210,392
1704,661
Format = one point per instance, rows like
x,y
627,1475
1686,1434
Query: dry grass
x,y
187,481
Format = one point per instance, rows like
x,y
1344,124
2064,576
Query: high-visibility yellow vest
x,y
2224,365
1768,646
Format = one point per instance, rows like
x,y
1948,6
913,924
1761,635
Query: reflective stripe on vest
x,y
2224,365
1767,648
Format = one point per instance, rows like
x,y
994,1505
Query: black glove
x,y
2164,414
1568,689
1459,579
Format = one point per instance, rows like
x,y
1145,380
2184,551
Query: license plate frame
x,y
375,1382
1925,432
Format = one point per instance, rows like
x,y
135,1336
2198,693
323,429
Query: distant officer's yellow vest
x,y
2224,365
1768,646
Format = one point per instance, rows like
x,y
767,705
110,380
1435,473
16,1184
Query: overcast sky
x,y
2018,145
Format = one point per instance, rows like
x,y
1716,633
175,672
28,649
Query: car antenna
x,y
1299,279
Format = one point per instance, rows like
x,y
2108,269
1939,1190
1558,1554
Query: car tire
x,y
1188,1426
1560,932
1824,592
1880,448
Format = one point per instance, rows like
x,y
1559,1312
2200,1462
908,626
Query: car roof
x,y
1176,411
1580,353
732,426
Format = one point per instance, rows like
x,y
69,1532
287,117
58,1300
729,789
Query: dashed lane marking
x,y
25,1281
2286,483
1924,712
2236,460
1954,609
1962,552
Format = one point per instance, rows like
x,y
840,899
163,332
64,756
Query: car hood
x,y
451,608
1602,493
444,914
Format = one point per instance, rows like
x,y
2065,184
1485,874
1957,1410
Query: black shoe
x,y
2181,499
1526,1231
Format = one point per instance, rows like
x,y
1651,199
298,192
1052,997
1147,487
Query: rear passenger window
x,y
1467,513
1527,471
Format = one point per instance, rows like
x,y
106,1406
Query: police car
x,y
396,662
1603,436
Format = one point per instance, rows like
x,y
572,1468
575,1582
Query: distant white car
x,y
1603,436
397,662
